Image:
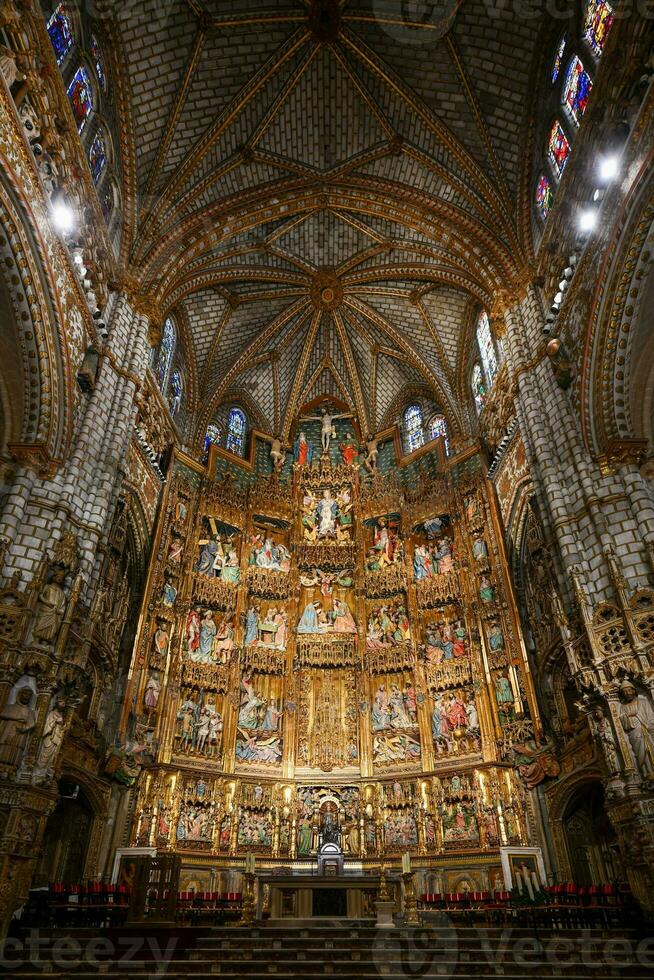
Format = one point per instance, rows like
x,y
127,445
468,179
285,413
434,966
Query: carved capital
x,y
621,452
35,456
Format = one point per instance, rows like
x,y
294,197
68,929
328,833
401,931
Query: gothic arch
x,y
619,347
36,376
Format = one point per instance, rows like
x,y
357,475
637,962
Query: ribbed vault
x,y
326,190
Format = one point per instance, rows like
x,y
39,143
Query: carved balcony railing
x,y
326,651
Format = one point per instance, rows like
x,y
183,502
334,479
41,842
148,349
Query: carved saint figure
x,y
17,720
637,719
51,607
53,736
302,450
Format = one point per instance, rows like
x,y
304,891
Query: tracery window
x,y
478,388
80,94
599,18
558,148
98,62
98,155
558,58
166,351
437,428
544,196
212,437
236,425
576,89
486,348
62,35
413,428
175,393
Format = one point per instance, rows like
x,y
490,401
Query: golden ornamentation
x,y
267,583
434,591
328,556
214,592
326,651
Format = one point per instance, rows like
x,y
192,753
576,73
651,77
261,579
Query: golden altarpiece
x,y
332,649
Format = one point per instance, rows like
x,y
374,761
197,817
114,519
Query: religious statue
x,y
602,730
479,549
17,720
504,698
51,608
327,432
349,449
277,454
372,452
637,719
302,450
53,736
151,693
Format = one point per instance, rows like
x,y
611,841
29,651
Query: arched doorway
x,y
590,839
67,837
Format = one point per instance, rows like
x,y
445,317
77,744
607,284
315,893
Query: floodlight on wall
x,y
63,217
587,220
609,167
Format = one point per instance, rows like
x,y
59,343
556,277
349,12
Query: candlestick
x,y
530,887
518,880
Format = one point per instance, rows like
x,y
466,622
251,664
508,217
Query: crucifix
x,y
327,432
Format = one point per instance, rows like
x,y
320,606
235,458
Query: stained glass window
x,y
80,94
175,393
60,29
413,428
166,351
236,431
577,89
478,388
558,58
212,437
486,347
544,196
438,427
98,62
599,17
558,148
98,155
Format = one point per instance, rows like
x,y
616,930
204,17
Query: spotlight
x,y
63,217
598,194
558,299
608,168
587,220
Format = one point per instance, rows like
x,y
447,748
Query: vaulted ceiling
x,y
327,192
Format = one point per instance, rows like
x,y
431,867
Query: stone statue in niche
x,y
637,719
50,608
601,728
17,720
53,735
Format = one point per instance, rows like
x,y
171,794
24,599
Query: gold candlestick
x,y
382,894
247,912
410,905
